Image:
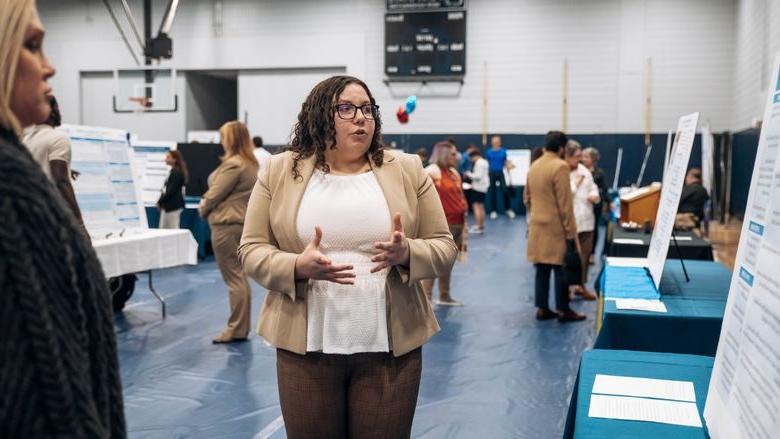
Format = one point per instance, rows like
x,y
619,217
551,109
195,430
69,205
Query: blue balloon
x,y
411,103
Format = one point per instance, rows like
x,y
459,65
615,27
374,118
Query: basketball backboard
x,y
145,89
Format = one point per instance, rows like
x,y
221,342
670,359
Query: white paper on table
x,y
613,261
632,241
684,238
641,305
644,409
646,387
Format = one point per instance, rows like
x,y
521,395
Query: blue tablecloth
x,y
189,220
692,323
628,282
635,364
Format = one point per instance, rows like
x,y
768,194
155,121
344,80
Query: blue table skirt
x,y
189,220
692,323
697,369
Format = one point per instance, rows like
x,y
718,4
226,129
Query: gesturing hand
x,y
393,252
312,264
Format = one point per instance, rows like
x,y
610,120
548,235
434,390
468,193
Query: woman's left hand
x,y
393,252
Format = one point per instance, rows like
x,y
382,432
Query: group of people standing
x,y
348,294
563,197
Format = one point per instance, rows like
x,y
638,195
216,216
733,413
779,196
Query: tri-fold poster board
x,y
149,162
744,394
105,184
671,190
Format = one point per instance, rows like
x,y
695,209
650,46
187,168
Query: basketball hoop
x,y
141,103
145,90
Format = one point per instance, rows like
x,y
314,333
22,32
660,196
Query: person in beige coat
x,y
224,204
548,200
341,232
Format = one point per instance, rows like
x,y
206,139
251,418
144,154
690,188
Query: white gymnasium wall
x,y
281,47
271,99
757,40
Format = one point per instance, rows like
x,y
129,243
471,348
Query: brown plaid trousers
x,y
364,395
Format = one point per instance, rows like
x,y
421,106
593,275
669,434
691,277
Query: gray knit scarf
x,y
59,374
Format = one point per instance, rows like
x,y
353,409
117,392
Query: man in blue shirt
x,y
496,157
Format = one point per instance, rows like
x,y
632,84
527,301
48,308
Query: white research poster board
x,y
744,393
670,196
105,188
149,161
521,161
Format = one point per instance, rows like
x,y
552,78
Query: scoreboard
x,y
430,43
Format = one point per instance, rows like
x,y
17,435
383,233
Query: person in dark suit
x,y
171,201
694,196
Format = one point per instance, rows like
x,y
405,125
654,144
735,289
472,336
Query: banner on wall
x,y
105,186
707,158
742,401
521,161
670,196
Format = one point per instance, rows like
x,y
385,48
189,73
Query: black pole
x,y
148,76
679,255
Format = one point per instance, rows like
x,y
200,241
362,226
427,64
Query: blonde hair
x,y
236,141
15,16
440,152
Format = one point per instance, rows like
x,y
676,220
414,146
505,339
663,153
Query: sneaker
x,y
510,213
476,230
449,301
493,215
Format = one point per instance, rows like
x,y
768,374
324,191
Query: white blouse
x,y
353,214
582,187
480,179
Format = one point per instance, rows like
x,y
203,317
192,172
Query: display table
x,y
695,311
146,250
191,221
635,364
628,244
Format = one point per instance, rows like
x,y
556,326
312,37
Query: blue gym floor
x,y
492,372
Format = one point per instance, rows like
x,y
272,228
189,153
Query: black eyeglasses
x,y
348,111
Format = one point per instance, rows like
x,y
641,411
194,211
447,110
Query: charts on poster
x,y
743,399
149,162
670,195
105,187
521,161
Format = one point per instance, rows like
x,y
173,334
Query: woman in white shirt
x,y
585,194
480,182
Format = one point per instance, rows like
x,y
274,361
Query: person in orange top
x,y
444,174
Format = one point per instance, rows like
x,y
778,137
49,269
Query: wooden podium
x,y
640,205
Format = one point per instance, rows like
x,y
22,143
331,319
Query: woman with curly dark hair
x,y
340,232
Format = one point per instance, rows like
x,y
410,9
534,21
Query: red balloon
x,y
402,115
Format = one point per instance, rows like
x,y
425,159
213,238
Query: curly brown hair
x,y
316,126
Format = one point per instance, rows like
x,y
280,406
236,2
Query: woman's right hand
x,y
312,264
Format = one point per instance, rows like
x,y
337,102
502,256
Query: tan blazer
x,y
229,188
548,200
270,245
